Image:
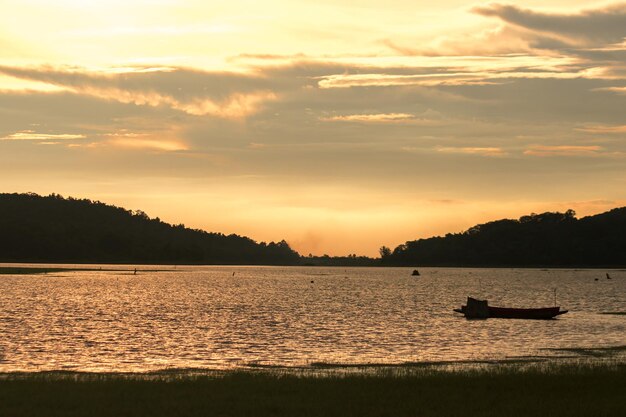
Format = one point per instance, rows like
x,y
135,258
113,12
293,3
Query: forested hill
x,y
548,239
55,229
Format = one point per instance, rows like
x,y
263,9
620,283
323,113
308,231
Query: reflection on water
x,y
206,317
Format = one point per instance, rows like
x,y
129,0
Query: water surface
x,y
231,316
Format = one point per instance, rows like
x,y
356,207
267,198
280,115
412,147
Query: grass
x,y
599,352
547,391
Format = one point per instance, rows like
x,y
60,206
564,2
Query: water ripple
x,y
206,318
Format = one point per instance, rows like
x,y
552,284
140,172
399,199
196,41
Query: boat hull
x,y
525,313
479,309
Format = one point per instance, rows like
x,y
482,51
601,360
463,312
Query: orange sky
x,y
338,126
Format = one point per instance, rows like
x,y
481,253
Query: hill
x,y
54,229
34,228
548,239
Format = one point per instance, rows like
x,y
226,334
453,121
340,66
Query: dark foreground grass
x,y
504,392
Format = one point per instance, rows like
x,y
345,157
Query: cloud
x,y
498,41
32,135
385,80
619,129
448,202
372,118
587,27
618,90
286,109
482,151
590,207
198,93
236,106
475,78
12,84
563,150
147,143
593,40
161,141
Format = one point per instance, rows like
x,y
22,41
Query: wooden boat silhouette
x,y
480,309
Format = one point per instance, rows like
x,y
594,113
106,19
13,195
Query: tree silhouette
x,y
54,229
384,252
546,239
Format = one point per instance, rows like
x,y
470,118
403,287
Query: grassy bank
x,y
503,391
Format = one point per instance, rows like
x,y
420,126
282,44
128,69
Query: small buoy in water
x,y
233,274
416,273
608,276
312,282
595,279
135,271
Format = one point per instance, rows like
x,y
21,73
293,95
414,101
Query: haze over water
x,y
206,317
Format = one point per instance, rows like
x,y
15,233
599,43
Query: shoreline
x,y
33,268
584,357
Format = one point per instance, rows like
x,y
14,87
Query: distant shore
x,y
34,270
46,268
551,390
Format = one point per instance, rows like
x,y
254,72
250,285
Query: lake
x,y
224,317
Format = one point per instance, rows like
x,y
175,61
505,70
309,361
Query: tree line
x,y
35,228
55,229
549,239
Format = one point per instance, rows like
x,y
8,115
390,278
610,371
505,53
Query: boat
x,y
480,309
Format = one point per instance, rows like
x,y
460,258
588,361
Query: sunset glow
x,y
337,126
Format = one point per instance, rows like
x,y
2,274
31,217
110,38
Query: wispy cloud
x,y
32,135
563,150
384,80
147,143
372,118
482,151
618,90
235,106
160,141
618,129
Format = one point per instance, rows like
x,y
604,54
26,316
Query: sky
x,y
339,126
